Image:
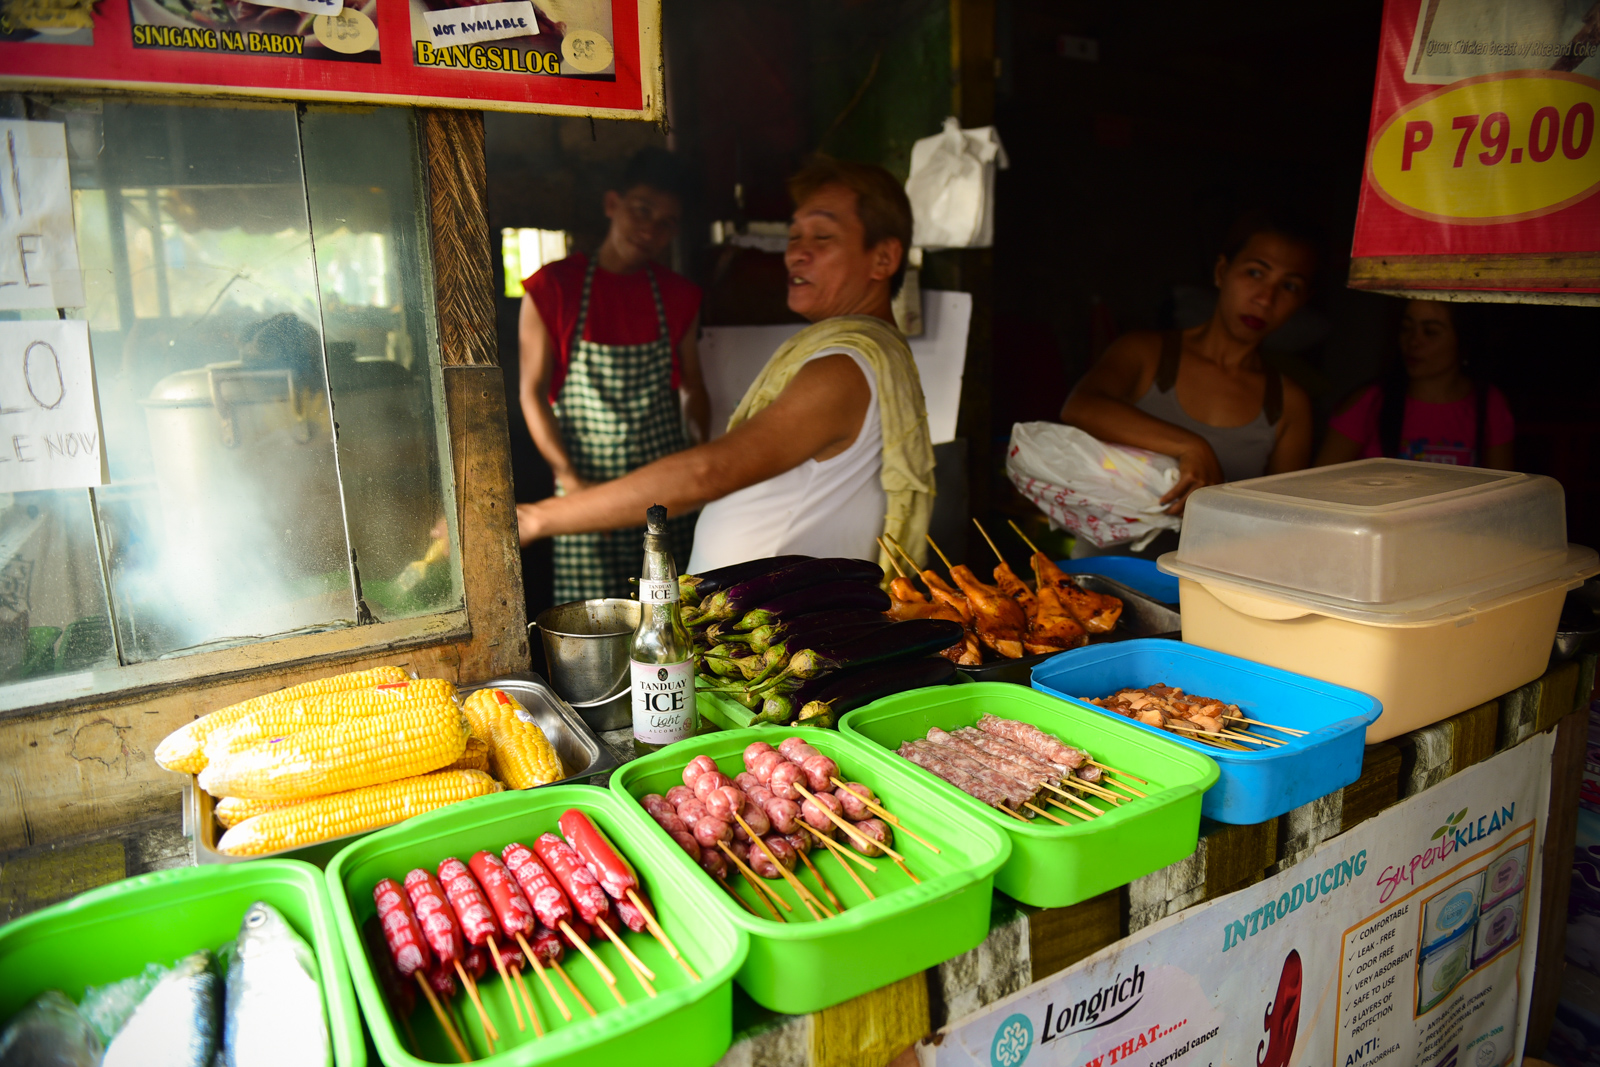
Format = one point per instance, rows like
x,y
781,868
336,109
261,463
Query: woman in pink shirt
x,y
1436,412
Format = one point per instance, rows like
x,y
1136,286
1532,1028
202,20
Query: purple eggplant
x,y
902,640
764,637
697,586
829,596
734,601
844,691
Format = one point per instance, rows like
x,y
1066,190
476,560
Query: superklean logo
x,y
1012,1042
1458,832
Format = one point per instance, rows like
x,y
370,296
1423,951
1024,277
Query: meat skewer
x,y
873,806
1096,612
861,839
586,895
477,921
514,914
408,948
999,620
446,938
1006,579
804,893
550,905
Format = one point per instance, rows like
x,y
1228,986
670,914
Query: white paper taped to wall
x,y
38,243
50,435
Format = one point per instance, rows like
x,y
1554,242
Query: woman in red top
x,y
609,368
1432,408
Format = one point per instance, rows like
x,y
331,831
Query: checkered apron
x,y
617,411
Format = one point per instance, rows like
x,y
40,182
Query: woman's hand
x,y
1197,468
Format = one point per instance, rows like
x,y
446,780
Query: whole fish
x,y
177,1025
49,1032
274,1014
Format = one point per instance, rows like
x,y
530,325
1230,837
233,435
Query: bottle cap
x,y
655,517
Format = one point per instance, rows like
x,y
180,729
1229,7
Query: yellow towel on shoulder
x,y
907,474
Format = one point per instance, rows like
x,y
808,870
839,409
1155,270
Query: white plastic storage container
x,y
1433,588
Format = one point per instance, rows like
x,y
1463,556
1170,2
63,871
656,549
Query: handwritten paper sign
x,y
49,414
38,244
483,22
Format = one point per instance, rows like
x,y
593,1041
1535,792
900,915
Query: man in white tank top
x,y
830,446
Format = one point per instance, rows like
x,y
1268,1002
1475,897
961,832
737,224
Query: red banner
x,y
1483,138
599,57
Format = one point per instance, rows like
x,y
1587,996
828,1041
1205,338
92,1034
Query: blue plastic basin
x,y
1131,571
1253,786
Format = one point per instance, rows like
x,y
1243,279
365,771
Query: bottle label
x,y
663,702
658,591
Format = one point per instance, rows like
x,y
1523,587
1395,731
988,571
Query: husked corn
x,y
183,750
403,742
327,710
520,753
369,808
231,811
475,758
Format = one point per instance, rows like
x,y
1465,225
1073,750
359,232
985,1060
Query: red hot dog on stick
x,y
401,930
549,902
581,886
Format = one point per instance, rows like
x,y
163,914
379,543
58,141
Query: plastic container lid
x,y
1382,540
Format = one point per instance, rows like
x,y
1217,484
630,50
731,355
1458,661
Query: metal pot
x,y
586,653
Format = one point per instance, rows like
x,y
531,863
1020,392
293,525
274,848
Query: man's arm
x,y
537,356
817,415
696,402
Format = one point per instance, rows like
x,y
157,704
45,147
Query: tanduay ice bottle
x,y
661,654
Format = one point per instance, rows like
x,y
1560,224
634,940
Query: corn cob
x,y
327,710
400,743
183,750
521,754
322,818
475,758
231,811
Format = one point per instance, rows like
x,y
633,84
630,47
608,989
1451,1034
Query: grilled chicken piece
x,y
1016,588
944,594
966,654
999,620
1053,626
1095,612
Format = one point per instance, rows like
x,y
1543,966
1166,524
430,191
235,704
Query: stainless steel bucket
x,y
586,656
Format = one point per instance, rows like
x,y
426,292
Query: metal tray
x,y
574,742
1141,617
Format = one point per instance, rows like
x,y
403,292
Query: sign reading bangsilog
x,y
1398,943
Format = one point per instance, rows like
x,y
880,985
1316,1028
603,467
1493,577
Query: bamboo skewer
x,y
555,965
753,878
1113,784
839,852
527,1001
622,947
1069,796
987,538
1209,738
1014,815
511,993
1113,770
1084,804
742,903
1124,786
812,867
1018,529
1040,811
1093,790
942,557
444,1020
796,884
1070,811
549,986
1238,735
761,895
1286,729
411,1036
855,835
901,864
661,935
892,561
825,839
884,813
595,961
489,1032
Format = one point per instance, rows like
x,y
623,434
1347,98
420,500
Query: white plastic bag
x,y
951,187
1105,494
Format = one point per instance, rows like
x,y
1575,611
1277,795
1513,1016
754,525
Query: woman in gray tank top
x,y
1203,395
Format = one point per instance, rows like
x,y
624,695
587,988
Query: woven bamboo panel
x,y
463,272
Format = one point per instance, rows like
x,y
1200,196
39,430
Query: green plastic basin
x,y
688,1024
1052,866
110,933
800,965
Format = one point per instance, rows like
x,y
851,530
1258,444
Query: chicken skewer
x,y
1051,628
999,620
946,603
1095,613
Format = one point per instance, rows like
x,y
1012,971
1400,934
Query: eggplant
x,y
829,596
844,691
901,640
734,601
698,586
827,635
764,637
